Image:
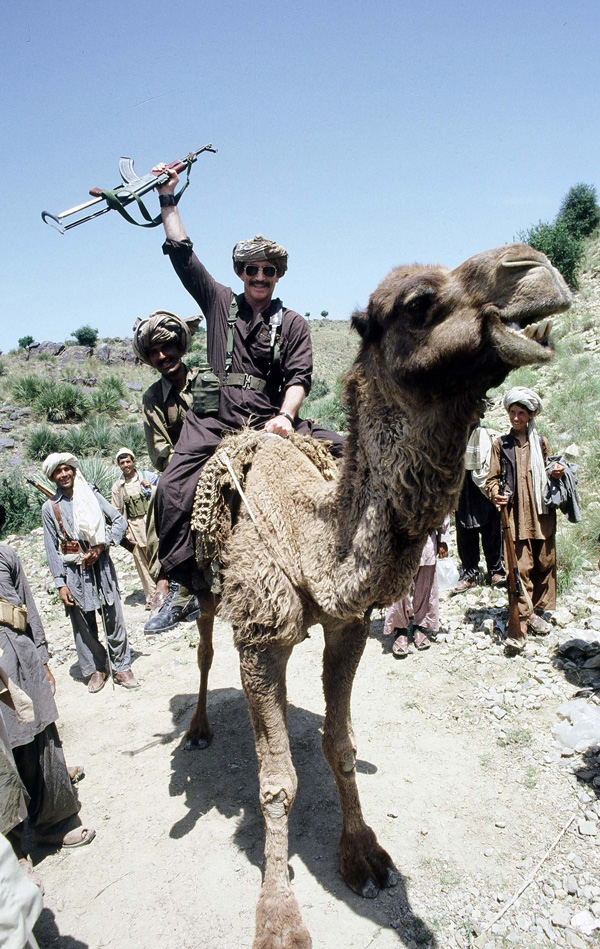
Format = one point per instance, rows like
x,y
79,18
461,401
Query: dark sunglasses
x,y
252,270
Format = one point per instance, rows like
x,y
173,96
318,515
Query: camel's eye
x,y
419,304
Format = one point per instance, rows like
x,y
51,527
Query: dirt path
x,y
457,770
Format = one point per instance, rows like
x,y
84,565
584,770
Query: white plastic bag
x,y
447,573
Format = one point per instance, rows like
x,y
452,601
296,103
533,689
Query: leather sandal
x,y
400,647
421,640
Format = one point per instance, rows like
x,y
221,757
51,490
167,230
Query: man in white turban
x,y
258,372
80,526
517,479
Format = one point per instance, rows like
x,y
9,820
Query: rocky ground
x,y
459,772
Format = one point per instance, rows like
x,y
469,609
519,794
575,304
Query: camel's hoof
x,y
364,865
197,744
370,890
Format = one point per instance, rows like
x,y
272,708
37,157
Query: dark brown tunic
x,y
238,407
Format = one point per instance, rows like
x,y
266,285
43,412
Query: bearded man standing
x,y
80,526
260,357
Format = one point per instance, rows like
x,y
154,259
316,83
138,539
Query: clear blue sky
x,y
359,135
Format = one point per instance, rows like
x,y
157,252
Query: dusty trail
x,y
465,793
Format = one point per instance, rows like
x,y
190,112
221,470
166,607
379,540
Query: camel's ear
x,y
359,322
367,328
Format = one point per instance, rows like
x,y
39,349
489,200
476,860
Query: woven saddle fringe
x,y
216,498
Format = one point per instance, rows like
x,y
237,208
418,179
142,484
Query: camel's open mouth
x,y
538,332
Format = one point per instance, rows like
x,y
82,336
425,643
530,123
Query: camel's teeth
x,y
547,324
530,331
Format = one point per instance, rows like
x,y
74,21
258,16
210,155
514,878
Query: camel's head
x,y
434,329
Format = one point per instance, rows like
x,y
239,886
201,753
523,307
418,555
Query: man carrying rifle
x,y
79,528
260,361
516,480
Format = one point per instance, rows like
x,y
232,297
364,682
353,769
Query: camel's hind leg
x,y
199,734
278,921
364,865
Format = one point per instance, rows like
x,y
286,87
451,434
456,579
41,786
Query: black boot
x,y
180,606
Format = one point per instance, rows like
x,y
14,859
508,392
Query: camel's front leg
x,y
364,865
278,921
199,734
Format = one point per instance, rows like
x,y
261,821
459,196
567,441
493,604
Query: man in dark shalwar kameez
x,y
261,353
53,808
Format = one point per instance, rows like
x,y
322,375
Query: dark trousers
x,y
467,543
177,486
53,806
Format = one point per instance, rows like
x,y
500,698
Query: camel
x,y
310,547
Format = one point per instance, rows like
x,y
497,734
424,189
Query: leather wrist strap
x,y
286,415
167,200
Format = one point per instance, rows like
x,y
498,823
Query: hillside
x,y
104,411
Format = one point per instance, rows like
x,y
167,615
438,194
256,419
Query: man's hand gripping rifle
x,y
132,189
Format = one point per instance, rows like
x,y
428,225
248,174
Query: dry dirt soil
x,y
466,800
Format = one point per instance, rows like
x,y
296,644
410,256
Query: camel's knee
x,y
341,756
277,796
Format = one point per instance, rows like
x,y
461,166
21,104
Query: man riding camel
x,y
260,357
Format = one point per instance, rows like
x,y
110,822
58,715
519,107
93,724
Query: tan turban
x,y
51,463
159,327
259,248
122,452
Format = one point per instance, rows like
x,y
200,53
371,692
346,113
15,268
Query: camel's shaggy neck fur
x,y
402,473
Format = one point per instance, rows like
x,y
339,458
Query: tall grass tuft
x,y
22,505
99,472
42,441
25,389
60,402
100,435
132,436
106,401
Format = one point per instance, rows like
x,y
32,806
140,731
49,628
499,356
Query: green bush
x,y
24,389
42,441
196,355
22,505
77,440
61,402
85,335
579,211
318,389
99,472
559,244
100,434
132,436
25,341
106,401
113,383
328,410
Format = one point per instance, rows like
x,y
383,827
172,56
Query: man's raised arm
x,y
172,222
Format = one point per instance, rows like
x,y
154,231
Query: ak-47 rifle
x,y
514,585
131,190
